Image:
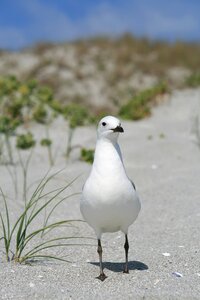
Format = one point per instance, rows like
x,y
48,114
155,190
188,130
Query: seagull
x,y
109,200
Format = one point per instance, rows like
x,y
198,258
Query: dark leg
x,y
126,247
102,276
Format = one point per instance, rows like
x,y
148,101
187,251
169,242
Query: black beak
x,y
118,129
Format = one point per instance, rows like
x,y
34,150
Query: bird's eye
x,y
104,123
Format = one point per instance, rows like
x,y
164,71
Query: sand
x,y
162,157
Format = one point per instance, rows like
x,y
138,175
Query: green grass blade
x,y
6,242
49,201
32,216
38,192
6,233
60,226
58,239
45,256
36,232
51,192
43,196
56,205
21,231
44,182
38,182
3,227
55,224
22,216
55,246
30,203
7,213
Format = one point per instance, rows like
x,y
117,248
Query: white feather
x,y
109,201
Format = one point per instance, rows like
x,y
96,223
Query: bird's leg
x,y
126,247
102,276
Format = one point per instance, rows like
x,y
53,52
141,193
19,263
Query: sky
x,y
26,22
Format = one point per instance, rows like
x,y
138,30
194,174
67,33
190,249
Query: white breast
x,y
109,202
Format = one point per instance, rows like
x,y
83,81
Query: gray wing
x,y
133,184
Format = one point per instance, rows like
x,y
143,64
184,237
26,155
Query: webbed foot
x,y
102,277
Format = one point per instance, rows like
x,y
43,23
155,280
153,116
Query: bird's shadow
x,y
118,267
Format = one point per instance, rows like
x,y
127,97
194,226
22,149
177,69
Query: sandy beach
x,y
162,157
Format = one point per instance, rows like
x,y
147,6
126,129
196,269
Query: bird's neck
x,y
107,157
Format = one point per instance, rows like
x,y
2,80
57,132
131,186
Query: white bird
x,y
109,201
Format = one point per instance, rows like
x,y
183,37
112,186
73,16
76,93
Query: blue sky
x,y
25,22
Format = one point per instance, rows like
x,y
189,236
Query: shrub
x,y
26,101
140,105
76,114
45,142
87,155
25,141
8,125
20,103
40,114
193,80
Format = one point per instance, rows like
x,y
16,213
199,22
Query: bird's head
x,y
109,127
